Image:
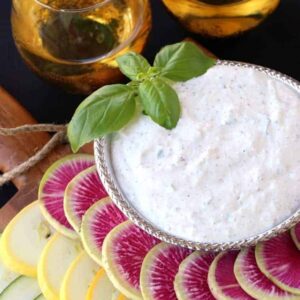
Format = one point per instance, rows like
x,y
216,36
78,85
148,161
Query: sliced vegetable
x,y
52,189
23,288
159,269
55,260
23,240
221,278
6,276
102,288
81,193
77,280
295,232
191,279
254,282
279,259
98,221
124,250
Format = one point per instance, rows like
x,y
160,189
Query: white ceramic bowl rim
x,y
106,173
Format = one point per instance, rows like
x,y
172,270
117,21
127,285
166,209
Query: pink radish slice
x,y
123,252
295,232
221,278
279,260
52,188
159,269
191,279
98,221
81,193
254,282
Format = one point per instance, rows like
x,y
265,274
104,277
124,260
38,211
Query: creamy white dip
x,y
231,167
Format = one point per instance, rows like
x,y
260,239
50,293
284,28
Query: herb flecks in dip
x,y
231,167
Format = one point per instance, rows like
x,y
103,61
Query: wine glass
x,y
75,43
221,18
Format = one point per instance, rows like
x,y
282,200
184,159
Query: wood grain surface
x,y
16,149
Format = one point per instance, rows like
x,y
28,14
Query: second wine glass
x,y
221,18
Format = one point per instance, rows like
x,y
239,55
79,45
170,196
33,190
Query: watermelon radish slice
x,y
159,269
191,279
124,250
295,232
98,221
52,188
221,278
253,281
279,259
81,193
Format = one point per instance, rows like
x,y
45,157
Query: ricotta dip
x,y
231,167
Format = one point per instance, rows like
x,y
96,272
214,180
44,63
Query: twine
x,y
32,128
58,138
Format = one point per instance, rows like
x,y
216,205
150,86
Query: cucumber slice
x,y
25,288
6,276
40,297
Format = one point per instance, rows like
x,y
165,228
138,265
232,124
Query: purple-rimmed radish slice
x,y
123,252
52,188
254,282
97,222
295,232
159,269
191,280
81,193
279,259
221,278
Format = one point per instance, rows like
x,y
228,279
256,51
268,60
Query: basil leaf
x,y
132,64
105,111
160,102
182,61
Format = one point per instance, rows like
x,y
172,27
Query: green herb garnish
x,y
111,107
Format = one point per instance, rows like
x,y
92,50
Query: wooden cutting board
x,y
16,149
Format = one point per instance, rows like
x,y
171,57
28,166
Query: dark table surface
x,y
274,44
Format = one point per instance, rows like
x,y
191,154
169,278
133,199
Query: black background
x,y
274,44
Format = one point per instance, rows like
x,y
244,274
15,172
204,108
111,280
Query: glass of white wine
x,y
75,43
221,18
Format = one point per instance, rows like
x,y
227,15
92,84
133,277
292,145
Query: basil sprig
x,y
111,107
